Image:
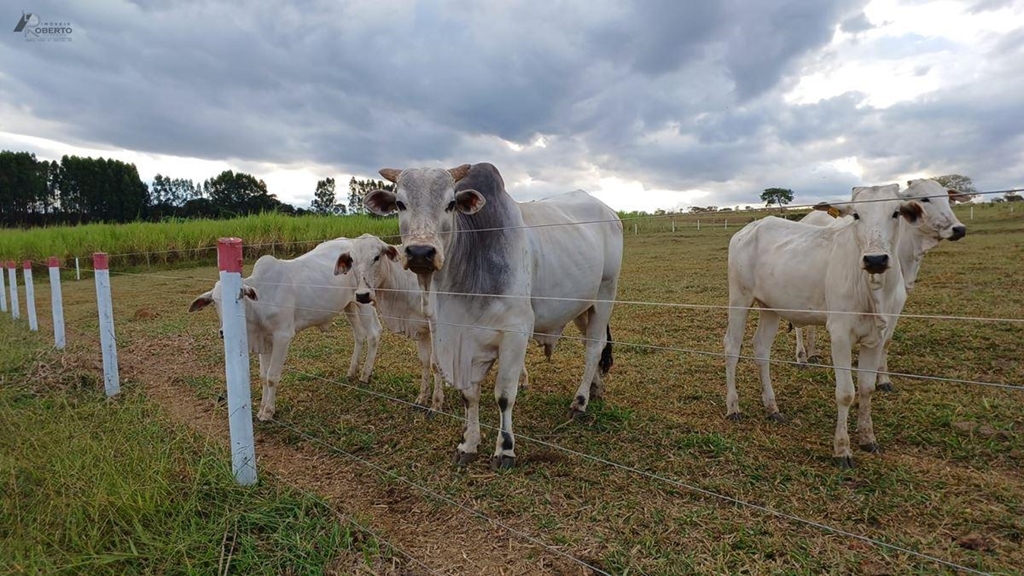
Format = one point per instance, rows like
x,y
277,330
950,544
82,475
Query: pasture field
x,y
948,483
184,241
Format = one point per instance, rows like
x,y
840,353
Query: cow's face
x,y
214,297
366,260
426,203
938,220
876,212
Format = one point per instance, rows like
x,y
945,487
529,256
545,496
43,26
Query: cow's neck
x,y
480,251
398,297
914,243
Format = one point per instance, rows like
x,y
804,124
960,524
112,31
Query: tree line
x,y
79,190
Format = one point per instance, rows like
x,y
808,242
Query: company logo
x,y
36,30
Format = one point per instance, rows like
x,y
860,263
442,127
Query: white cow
x,y
501,272
380,279
285,297
938,223
777,265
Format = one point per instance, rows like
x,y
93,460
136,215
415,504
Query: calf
x,y
777,265
381,279
285,297
938,223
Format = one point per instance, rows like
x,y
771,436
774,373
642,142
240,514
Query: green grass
x,y
934,486
185,241
110,487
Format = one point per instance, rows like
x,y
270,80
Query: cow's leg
x,y
810,343
767,328
423,349
738,312
358,337
867,362
274,368
264,365
596,338
596,386
467,450
884,380
801,351
842,352
373,330
511,359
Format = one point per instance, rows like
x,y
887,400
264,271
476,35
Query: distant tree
x,y
324,200
238,194
779,196
957,182
358,189
1012,196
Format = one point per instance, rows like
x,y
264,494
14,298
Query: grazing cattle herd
x,y
478,275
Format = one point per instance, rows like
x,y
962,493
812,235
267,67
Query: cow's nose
x,y
420,257
958,233
876,263
221,334
363,297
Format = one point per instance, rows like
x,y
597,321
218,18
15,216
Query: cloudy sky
x,y
653,104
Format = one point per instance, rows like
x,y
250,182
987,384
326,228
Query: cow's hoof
x,y
464,459
734,417
844,462
887,387
265,415
417,407
431,413
814,360
777,417
503,462
871,447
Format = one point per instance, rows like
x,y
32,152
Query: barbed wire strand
x,y
671,481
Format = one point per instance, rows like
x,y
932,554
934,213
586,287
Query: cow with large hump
x,y
938,223
500,272
846,277
382,281
285,297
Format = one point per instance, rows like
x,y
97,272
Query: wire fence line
x,y
433,494
548,225
659,477
679,305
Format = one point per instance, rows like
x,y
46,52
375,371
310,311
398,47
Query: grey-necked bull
x,y
501,272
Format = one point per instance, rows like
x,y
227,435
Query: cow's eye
x,y
926,199
451,206
896,214
856,216
400,205
377,257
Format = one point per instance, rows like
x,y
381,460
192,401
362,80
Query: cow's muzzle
x,y
363,297
958,233
421,258
876,263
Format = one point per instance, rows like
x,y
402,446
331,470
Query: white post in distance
x,y
726,223
12,278
698,224
972,212
236,361
634,229
78,271
57,299
101,271
673,226
3,291
30,297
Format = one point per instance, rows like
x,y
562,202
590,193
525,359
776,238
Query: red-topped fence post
x,y
236,361
101,271
57,300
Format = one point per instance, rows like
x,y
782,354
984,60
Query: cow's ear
x,y
343,265
201,301
957,196
911,212
249,292
834,210
391,252
380,202
469,201
391,174
460,172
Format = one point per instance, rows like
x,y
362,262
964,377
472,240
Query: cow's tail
x,y
606,354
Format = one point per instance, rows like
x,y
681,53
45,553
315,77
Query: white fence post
x,y
12,278
236,361
698,224
30,297
78,271
57,299
972,212
101,271
727,224
3,291
634,229
673,226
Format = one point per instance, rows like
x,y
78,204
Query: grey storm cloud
x,y
676,95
